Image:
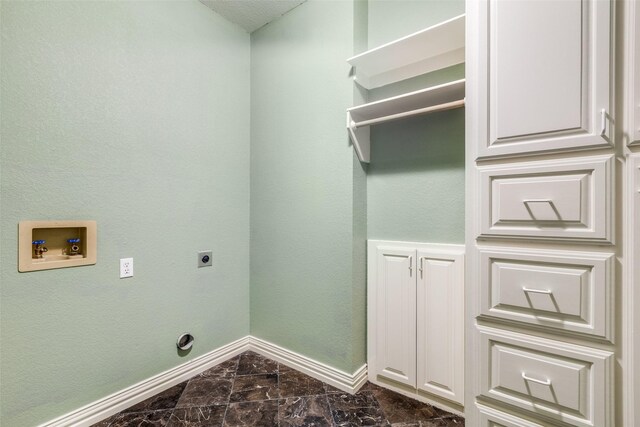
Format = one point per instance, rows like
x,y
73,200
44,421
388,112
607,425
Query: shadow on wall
x,y
416,144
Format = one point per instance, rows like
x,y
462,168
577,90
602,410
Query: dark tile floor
x,y
251,390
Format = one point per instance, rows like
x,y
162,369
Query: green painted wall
x,y
307,191
225,142
134,114
392,19
415,181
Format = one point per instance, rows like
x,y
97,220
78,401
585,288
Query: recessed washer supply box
x,y
44,245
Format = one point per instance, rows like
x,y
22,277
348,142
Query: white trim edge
x,y
116,402
350,383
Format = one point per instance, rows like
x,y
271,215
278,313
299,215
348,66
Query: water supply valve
x,y
39,249
73,249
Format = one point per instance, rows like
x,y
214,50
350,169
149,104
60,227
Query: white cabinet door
x,y
396,315
441,324
544,71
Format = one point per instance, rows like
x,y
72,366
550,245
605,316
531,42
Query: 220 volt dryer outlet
x,y
204,259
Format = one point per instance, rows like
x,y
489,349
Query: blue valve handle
x,y
38,242
73,241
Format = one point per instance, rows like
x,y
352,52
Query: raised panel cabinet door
x,y
545,72
396,315
440,315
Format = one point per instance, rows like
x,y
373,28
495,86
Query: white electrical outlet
x,y
126,267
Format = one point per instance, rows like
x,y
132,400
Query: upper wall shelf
x,y
437,98
431,49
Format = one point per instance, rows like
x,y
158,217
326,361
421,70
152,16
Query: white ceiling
x,y
251,14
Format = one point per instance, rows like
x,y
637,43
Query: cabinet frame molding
x,y
632,72
631,293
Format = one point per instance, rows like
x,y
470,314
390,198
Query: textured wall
x,y
391,19
415,182
134,114
307,193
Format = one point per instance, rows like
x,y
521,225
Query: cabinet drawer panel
x,y
491,417
566,199
562,381
568,291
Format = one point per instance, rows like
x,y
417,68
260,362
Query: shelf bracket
x,y
360,138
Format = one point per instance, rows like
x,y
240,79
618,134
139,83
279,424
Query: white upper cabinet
x,y
544,69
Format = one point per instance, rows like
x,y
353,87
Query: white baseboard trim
x,y
350,383
110,405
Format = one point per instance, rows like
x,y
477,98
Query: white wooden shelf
x,y
431,49
437,98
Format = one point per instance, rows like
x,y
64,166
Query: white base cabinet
x,y
416,317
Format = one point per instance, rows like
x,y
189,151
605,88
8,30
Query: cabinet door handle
x,y
410,265
537,201
546,382
603,122
421,267
537,291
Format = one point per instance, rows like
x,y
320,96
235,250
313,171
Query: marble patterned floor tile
x,y
282,368
163,400
307,411
294,383
346,401
252,363
227,369
399,408
251,390
360,409
142,419
371,416
255,387
202,416
262,413
450,421
206,391
331,389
